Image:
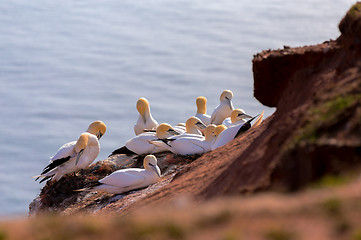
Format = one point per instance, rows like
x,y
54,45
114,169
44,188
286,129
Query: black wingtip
x,y
55,164
44,179
122,150
149,130
94,184
247,125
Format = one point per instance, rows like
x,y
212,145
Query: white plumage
x,y
230,133
193,125
224,109
201,103
129,179
140,144
238,116
145,120
75,155
188,145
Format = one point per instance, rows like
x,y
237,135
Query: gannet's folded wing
x,y
124,178
64,151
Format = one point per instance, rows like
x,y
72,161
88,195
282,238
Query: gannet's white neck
x,y
209,133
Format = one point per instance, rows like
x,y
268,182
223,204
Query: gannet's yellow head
x,y
238,114
142,105
219,129
165,130
226,95
150,163
194,122
209,132
97,128
82,142
80,145
201,105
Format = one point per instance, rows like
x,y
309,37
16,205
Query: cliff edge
x,y
314,133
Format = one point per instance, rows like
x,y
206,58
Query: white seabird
x,y
189,145
202,110
193,125
224,109
140,144
218,130
75,155
234,131
145,120
125,180
237,116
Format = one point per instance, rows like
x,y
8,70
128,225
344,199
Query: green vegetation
x,y
332,206
220,218
167,230
356,235
331,181
3,235
355,10
230,235
323,115
54,227
174,231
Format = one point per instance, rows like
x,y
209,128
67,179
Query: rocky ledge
x,y
314,134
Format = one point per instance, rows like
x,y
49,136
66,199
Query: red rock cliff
x,y
316,129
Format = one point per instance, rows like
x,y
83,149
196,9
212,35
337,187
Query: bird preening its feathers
x,y
75,155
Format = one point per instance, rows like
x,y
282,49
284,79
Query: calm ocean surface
x,y
64,64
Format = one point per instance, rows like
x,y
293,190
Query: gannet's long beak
x,y
144,119
252,118
243,115
201,125
78,156
229,102
174,132
99,135
156,169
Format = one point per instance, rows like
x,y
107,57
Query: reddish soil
x,y
314,133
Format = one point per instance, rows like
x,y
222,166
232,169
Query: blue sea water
x,y
64,64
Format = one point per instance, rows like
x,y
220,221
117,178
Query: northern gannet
x,y
140,143
224,109
234,131
75,155
218,130
189,145
193,125
237,116
145,120
202,110
125,180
